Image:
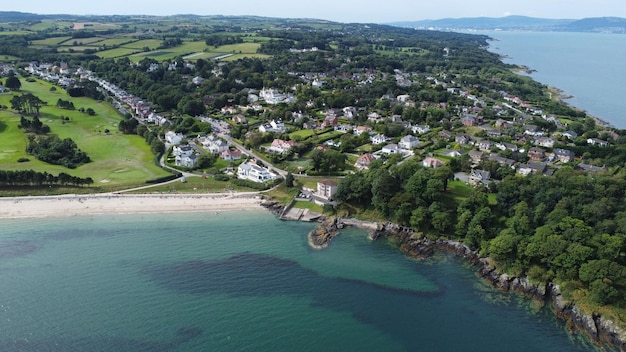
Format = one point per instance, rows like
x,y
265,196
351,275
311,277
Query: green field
x,y
117,160
140,44
54,41
82,41
125,42
118,52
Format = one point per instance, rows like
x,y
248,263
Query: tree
x,y
13,83
289,180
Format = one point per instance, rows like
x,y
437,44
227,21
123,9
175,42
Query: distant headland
x,y
594,25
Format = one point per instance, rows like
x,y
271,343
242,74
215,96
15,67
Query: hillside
x,y
598,24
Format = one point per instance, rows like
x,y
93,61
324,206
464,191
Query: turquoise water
x,y
234,281
589,66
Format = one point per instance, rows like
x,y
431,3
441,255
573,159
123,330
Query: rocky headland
x,y
601,330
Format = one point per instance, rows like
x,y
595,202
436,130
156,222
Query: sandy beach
x,y
71,205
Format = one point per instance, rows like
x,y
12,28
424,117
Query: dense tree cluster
x,y
34,126
53,150
27,103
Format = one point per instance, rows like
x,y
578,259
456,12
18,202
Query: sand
x,y
71,205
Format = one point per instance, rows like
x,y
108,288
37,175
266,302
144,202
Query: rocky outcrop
x,y
321,236
275,208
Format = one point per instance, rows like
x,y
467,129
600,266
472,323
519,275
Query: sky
x,y
369,11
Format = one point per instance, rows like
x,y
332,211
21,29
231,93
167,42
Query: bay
x,y
590,67
245,281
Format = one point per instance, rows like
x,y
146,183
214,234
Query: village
x,y
508,142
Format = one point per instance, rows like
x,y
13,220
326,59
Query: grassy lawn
x,y
302,134
308,205
197,185
117,160
459,190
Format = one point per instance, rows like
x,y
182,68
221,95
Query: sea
x,y
246,281
590,67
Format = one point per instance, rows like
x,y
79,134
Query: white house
x,y
378,139
183,150
281,146
253,172
420,129
409,142
174,138
186,160
432,162
390,149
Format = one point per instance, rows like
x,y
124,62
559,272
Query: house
x,y
183,150
379,139
478,176
505,146
485,145
363,161
502,160
197,80
214,144
476,156
452,153
280,146
564,155
591,168
174,138
231,155
545,142
444,134
310,125
253,172
420,129
462,139
186,160
330,121
432,162
327,189
531,167
343,128
408,142
349,112
390,149
240,119
536,154
532,130
278,126
403,98
362,129
598,142
469,120
570,135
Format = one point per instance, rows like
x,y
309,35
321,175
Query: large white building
x,y
253,172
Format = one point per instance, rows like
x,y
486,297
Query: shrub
x,y
23,160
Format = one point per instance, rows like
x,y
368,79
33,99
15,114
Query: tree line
x,y
35,178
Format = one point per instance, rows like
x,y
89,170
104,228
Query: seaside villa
x,y
253,172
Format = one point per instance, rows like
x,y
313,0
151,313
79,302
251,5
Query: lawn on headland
x,y
196,185
117,160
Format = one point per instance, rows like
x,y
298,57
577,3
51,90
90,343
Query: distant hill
x,y
598,24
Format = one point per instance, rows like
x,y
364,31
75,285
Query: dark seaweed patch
x,y
14,249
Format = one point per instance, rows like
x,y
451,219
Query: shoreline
x,y
111,203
